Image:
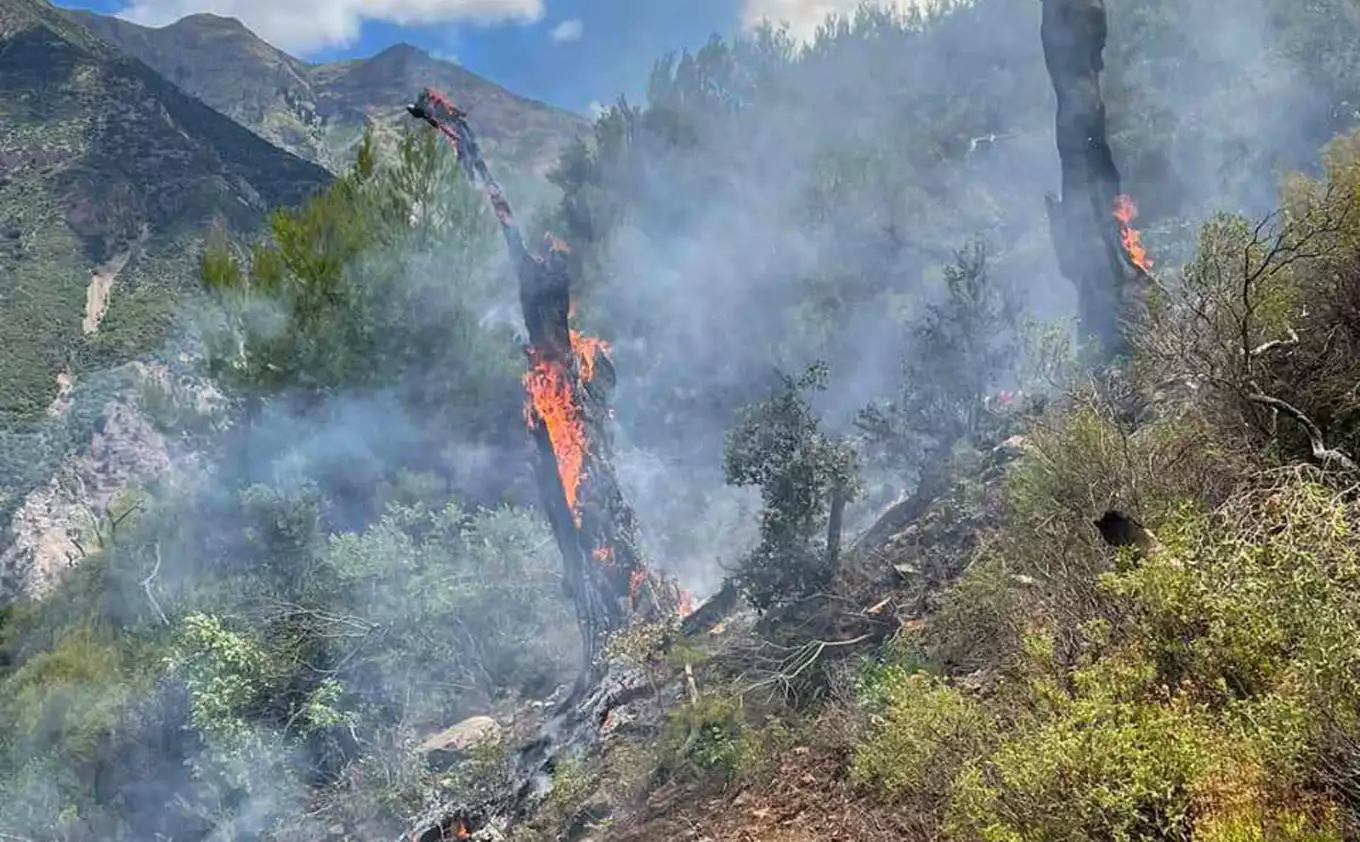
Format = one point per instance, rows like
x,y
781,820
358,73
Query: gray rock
x,y
453,744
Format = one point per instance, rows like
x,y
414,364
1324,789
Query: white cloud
x,y
567,30
804,16
301,26
596,109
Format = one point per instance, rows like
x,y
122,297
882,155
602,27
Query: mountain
x,y
107,173
317,111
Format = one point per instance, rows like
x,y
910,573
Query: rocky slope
x,y
318,111
108,175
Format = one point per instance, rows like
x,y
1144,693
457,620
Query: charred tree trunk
x,y
604,572
568,414
1086,235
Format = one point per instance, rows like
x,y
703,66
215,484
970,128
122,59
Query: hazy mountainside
x,y
318,111
1091,602
107,171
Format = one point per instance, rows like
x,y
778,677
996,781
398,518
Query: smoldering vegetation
x,y
346,556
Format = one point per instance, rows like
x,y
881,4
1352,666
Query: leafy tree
x,y
804,476
336,298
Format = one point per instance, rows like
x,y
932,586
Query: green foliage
x,y
1205,708
329,303
573,780
418,569
779,446
703,741
922,733
285,647
1266,313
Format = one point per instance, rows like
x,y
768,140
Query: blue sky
x,y
570,53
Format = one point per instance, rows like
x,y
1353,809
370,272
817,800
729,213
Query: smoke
x,y
341,549
770,207
774,205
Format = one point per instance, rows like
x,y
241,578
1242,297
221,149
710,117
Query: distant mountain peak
x,y
318,111
210,21
401,51
112,206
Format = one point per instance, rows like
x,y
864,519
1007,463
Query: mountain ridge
x,y
318,110
109,173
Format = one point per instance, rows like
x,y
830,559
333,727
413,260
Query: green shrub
x,y
779,446
703,741
921,733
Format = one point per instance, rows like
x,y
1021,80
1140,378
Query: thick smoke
x,y
817,191
771,205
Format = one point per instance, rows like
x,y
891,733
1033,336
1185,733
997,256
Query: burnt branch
x,y
592,523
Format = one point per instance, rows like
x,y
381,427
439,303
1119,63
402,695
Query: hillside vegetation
x,y
109,175
1070,602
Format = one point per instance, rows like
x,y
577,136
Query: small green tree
x,y
805,477
334,298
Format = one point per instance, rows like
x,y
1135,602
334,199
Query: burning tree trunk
x,y
568,385
1097,250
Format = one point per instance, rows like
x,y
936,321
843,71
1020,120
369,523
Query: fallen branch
x,y
799,661
1321,452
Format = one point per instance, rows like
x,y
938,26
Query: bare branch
x,y
1321,452
146,586
798,662
1267,347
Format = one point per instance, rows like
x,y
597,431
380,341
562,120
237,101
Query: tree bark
x,y
834,527
604,573
1086,235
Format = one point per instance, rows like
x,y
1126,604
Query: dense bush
x,y
1200,686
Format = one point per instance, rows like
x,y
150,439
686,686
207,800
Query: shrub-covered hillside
x,y
987,590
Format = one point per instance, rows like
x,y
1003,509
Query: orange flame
x,y
461,831
686,606
1125,211
635,580
552,403
587,349
604,555
556,243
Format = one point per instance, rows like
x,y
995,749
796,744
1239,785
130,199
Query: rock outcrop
x,y
64,520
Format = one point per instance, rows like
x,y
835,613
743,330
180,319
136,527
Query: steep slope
x,y
108,175
318,111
